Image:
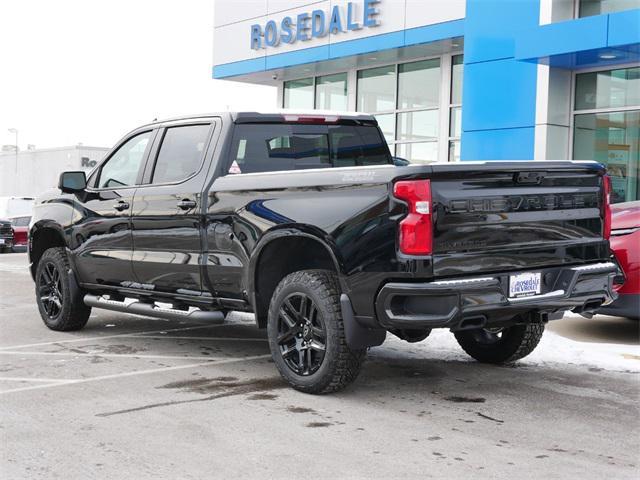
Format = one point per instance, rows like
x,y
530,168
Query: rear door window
x,y
181,153
280,147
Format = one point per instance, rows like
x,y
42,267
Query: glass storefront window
x,y
457,70
377,89
418,126
331,92
599,7
408,101
387,124
455,129
606,126
609,89
419,84
419,152
614,140
299,94
454,151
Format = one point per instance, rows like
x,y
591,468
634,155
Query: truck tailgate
x,y
516,215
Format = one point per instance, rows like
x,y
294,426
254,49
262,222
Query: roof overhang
x,y
601,40
404,45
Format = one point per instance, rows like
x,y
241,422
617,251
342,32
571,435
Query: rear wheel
x,y
59,300
306,333
501,345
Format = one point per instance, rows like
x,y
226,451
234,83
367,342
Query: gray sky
x,y
85,71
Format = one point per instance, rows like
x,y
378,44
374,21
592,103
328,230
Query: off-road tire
x,y
73,314
340,365
515,343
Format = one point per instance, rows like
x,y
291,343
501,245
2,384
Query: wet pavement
x,y
132,397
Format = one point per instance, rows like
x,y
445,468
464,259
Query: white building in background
x,y
31,172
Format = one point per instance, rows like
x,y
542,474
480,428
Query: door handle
x,y
186,204
121,205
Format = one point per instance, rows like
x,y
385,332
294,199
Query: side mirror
x,y
72,182
400,162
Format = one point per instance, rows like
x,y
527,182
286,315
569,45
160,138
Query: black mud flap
x,y
357,336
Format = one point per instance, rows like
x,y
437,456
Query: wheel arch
x,y
281,252
43,235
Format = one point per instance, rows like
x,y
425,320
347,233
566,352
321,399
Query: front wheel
x,y
59,300
501,345
306,333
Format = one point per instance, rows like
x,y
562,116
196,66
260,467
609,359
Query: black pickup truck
x,y
304,220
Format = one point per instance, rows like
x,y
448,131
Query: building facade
x,y
454,80
28,173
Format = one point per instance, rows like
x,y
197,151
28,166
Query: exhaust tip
x,y
472,323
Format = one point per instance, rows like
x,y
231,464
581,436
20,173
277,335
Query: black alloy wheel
x,y
301,334
50,290
306,333
59,298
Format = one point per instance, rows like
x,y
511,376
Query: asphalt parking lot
x,y
132,397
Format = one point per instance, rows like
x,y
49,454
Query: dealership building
x,y
454,80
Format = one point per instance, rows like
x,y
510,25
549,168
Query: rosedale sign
x,y
306,26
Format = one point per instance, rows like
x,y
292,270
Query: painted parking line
x,y
132,374
103,337
29,379
174,337
112,355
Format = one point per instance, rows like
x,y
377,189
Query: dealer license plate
x,y
524,285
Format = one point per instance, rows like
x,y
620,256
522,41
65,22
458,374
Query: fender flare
x,y
298,231
38,227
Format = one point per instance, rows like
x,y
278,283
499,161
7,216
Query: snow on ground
x,y
553,351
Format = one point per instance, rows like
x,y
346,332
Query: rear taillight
x,y
606,207
416,229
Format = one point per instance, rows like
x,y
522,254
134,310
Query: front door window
x,y
121,170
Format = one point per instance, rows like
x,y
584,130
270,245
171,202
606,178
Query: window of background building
x,y
328,92
406,100
607,126
331,92
587,8
455,117
299,93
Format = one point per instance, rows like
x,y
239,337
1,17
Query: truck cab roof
x,y
281,116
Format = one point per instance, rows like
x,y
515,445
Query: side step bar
x,y
152,310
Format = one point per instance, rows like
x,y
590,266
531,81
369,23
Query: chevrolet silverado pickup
x,y
304,220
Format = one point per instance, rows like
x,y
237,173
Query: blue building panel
x,y
499,94
624,28
374,43
601,57
563,37
504,144
600,40
491,27
239,68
